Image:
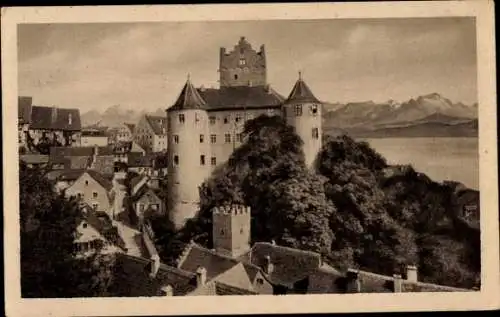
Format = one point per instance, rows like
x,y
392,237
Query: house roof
x,y
136,180
189,98
240,97
143,191
53,118
215,264
104,226
301,93
132,279
158,124
24,108
65,174
139,160
104,182
290,265
60,151
34,158
95,132
130,126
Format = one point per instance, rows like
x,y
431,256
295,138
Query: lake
x,y
440,158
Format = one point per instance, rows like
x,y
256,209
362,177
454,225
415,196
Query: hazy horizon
x,y
143,66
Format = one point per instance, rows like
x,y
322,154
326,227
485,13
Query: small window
x,y
222,232
94,194
212,120
239,137
176,160
196,117
228,138
315,133
238,118
314,110
213,138
213,160
235,76
86,183
176,139
243,62
182,119
84,225
260,281
202,138
241,230
95,206
226,120
298,110
202,159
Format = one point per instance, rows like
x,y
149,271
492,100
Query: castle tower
x,y
243,66
231,229
188,154
303,111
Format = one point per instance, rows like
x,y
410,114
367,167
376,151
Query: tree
x,y
48,222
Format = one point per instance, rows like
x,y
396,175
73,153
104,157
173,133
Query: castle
x,y
205,125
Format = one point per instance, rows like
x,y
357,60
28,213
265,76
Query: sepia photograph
x,y
251,156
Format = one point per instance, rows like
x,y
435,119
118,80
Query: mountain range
x,y
429,115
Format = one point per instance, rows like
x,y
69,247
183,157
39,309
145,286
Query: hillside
x,y
115,115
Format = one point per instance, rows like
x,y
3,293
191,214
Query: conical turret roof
x,y
189,98
301,93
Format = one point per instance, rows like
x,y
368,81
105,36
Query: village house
x,y
47,125
151,133
141,164
94,190
123,133
94,136
147,202
96,233
98,158
122,149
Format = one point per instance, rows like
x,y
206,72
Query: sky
x,y
144,65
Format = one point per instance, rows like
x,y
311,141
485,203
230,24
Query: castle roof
x,y
301,93
240,97
188,99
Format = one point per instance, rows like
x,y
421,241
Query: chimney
x,y
201,276
353,283
155,265
411,273
398,283
168,290
70,119
268,265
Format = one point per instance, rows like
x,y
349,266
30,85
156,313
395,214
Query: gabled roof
x,y
53,118
301,93
189,98
290,265
104,182
79,151
241,97
132,279
136,180
34,158
158,124
130,126
215,264
139,160
143,191
237,277
24,109
65,174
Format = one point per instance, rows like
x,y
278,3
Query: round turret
x,y
188,154
303,111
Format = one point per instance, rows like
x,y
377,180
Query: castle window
x,y
202,138
228,138
86,183
221,232
196,118
235,76
176,138
212,120
238,118
95,206
213,138
176,160
226,119
314,110
84,225
213,160
239,137
242,62
94,194
182,118
298,110
202,159
315,133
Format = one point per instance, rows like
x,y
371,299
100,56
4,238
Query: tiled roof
x,y
289,265
131,278
52,118
301,93
104,164
34,158
325,280
237,277
104,182
224,289
130,126
158,124
240,97
139,160
65,175
189,98
104,226
214,263
79,151
136,180
24,108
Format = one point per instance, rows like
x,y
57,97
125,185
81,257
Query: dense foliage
x,y
348,208
47,223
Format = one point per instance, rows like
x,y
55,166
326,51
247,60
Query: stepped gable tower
x,y
243,66
231,229
303,111
188,154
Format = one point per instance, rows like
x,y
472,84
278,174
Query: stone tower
x,y
243,66
302,110
231,229
188,154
